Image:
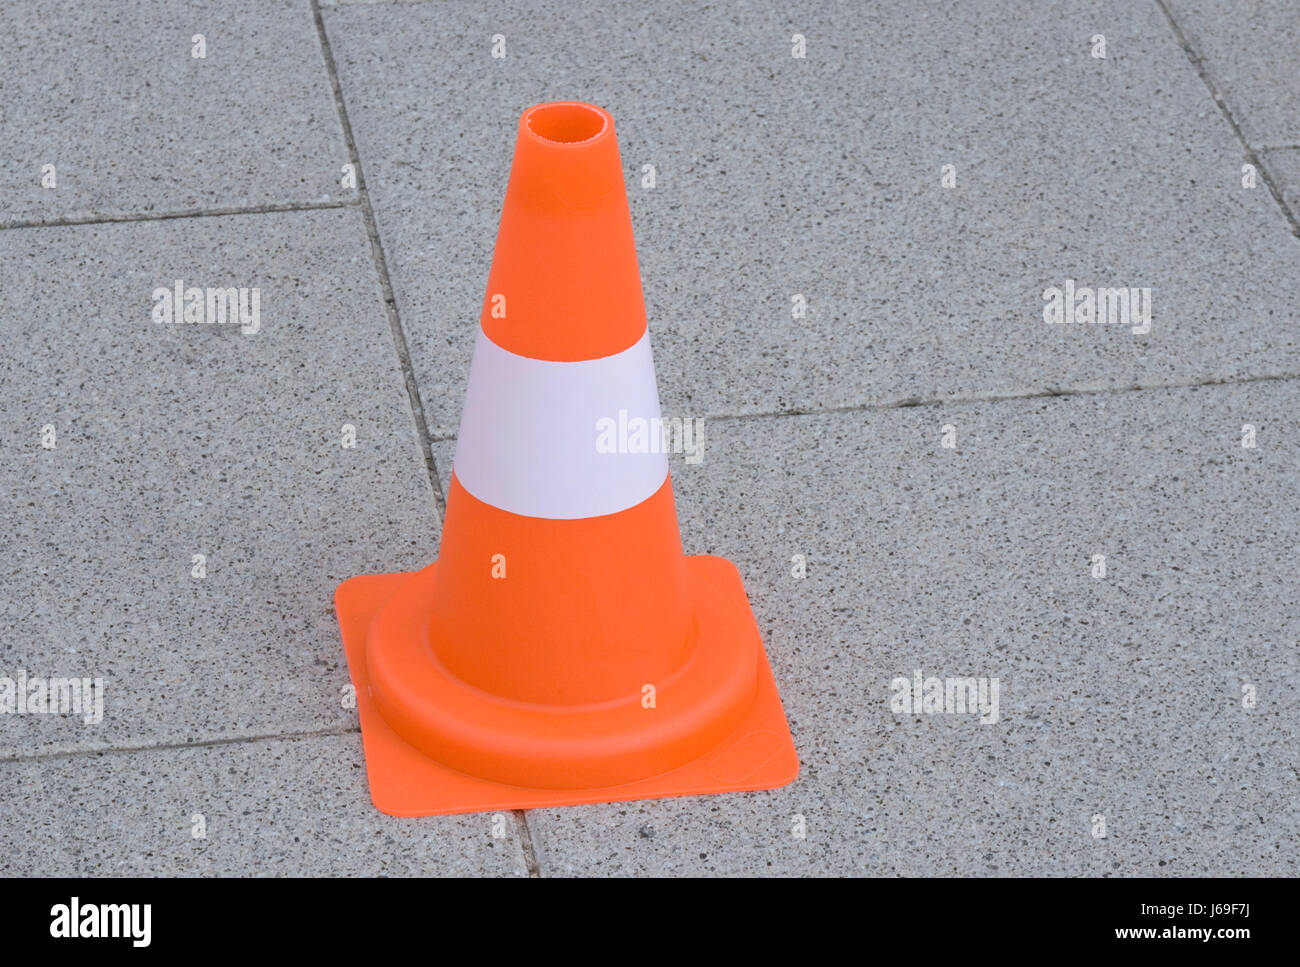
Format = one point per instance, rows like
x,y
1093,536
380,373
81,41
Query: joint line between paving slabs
x,y
381,264
911,402
526,844
110,219
1198,63
178,746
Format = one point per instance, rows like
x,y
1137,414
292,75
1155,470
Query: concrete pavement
x,y
844,255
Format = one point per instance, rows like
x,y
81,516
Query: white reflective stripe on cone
x,y
529,434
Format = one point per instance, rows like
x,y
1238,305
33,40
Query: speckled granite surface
x,y
919,474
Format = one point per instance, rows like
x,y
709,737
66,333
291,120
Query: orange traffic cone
x,y
561,649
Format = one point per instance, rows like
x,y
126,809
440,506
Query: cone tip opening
x,y
567,123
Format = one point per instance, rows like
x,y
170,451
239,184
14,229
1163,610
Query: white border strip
x,y
528,434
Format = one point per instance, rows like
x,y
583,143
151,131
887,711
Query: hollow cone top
x,y
564,283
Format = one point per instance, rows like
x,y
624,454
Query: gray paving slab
x,y
172,441
1283,165
132,122
277,808
1249,49
1120,697
822,177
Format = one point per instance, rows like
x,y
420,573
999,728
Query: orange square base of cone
x,y
759,754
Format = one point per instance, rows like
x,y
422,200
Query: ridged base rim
x,y
755,752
